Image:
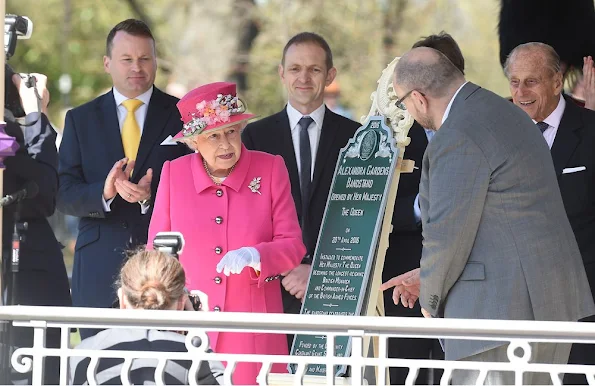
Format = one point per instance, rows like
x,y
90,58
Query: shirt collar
x,y
429,134
144,97
447,111
553,120
295,116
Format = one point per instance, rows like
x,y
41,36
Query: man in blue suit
x,y
111,156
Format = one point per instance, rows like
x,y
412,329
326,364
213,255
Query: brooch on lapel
x,y
255,185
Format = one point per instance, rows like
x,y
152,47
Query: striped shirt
x,y
142,371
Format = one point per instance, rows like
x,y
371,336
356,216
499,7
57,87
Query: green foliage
x,y
355,30
55,49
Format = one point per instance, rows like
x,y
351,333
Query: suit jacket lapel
x,y
158,113
107,118
567,137
466,91
288,153
327,137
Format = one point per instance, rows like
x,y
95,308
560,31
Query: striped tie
x,y
542,126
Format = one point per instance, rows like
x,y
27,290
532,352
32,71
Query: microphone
x,y
29,191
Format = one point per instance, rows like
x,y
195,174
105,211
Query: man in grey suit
x,y
497,241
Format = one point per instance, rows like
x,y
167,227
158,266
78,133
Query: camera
x,y
171,243
195,300
15,27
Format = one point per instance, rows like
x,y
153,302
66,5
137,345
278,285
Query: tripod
x,y
9,292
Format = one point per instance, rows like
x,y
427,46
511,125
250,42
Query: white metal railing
x,y
517,334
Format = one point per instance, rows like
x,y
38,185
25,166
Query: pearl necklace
x,y
213,178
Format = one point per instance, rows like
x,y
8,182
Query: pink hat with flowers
x,y
208,107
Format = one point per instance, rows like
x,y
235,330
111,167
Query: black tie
x,y
305,164
542,126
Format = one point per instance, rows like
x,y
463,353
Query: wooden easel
x,y
375,303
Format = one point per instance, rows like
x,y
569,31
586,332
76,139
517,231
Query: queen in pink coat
x,y
235,210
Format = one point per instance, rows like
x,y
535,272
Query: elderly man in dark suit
x,y
308,136
111,156
497,242
535,77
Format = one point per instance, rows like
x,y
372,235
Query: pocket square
x,y
169,141
573,170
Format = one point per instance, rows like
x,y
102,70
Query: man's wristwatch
x,y
145,202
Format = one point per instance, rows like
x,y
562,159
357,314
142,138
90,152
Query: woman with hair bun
x,y
149,280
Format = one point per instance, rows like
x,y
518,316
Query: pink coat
x,y
217,219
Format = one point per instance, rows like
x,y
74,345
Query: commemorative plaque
x,y
348,238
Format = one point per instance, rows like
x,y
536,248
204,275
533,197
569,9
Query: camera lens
x,y
195,300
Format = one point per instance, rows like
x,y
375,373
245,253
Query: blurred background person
x,y
235,210
149,280
41,279
332,100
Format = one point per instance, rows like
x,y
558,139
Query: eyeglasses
x,y
399,102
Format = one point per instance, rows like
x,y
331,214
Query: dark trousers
x,y
411,348
583,354
415,348
291,305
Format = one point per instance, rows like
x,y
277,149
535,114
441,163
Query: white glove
x,y
235,261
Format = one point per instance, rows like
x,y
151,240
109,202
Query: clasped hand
x,y
295,281
235,261
117,182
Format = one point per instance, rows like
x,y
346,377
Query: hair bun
x,y
153,295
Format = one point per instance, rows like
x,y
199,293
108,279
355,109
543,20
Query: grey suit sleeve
x,y
453,191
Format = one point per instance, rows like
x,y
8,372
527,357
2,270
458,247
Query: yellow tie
x,y
130,129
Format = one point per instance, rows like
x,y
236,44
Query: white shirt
x,y
314,131
447,111
140,114
553,120
429,134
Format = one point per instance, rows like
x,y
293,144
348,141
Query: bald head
x,y
428,71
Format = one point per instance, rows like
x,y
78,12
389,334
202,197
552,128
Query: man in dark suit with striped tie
x,y
309,137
